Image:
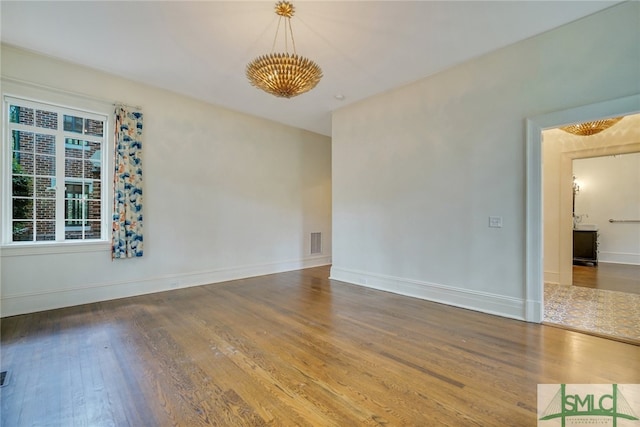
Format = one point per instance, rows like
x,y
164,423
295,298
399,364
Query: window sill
x,y
26,249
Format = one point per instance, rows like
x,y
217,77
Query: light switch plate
x,y
495,221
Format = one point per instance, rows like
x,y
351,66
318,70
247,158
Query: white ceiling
x,y
201,48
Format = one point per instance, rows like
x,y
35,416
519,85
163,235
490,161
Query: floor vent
x,y
3,378
316,243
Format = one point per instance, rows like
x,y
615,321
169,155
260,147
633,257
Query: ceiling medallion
x,y
591,128
284,74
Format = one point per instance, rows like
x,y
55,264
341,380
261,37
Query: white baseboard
x,y
552,277
11,305
619,257
474,300
534,312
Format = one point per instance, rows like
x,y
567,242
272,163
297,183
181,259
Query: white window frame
x,y
64,103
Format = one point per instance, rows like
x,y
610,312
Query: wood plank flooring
x,y
289,349
608,276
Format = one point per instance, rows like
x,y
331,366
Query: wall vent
x,y
316,243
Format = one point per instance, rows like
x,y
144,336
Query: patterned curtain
x,y
127,185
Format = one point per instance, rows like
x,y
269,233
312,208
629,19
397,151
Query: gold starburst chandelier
x,y
591,128
284,74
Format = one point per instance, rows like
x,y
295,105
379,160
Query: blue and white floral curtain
x,y
127,239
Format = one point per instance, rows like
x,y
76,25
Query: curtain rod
x,y
122,104
69,92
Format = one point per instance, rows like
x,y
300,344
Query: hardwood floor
x,y
608,276
289,349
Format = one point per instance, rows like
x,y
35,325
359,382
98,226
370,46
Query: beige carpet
x,y
609,313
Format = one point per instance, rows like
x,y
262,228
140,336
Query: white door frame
x,y
534,305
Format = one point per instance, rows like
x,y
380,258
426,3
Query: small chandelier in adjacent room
x,y
284,74
591,128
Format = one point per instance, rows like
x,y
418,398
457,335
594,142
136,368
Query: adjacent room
x,y
592,232
319,213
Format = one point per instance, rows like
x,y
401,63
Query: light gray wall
x,y
418,171
226,196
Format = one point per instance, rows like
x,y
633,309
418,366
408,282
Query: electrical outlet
x,y
174,284
495,221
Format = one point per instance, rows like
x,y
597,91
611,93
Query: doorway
x,y
535,242
566,187
591,287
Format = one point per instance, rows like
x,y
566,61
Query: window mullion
x,y
60,183
106,218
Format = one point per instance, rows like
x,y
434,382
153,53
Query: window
x,y
56,180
